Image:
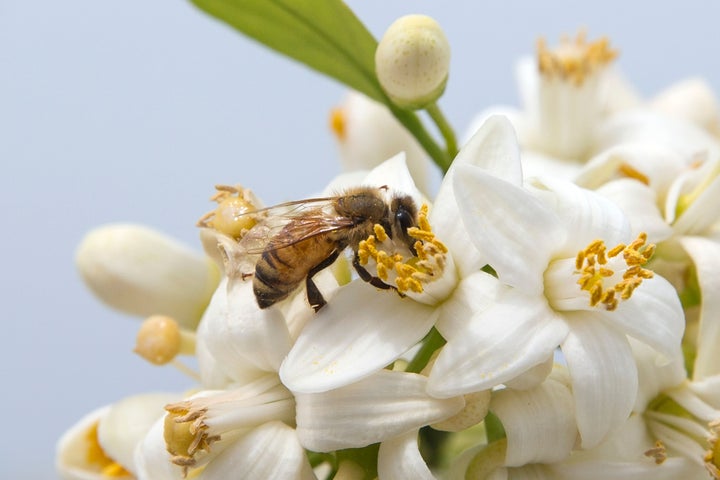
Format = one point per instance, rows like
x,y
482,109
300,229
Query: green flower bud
x,y
412,61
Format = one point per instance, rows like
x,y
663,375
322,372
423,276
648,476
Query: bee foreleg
x,y
315,298
368,277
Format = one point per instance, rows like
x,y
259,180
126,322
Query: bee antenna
x,y
384,187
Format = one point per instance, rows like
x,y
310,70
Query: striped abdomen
x,y
279,271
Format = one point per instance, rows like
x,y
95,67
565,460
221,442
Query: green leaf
x,y
323,34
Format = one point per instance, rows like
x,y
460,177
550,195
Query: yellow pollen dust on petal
x,y
712,455
630,172
338,123
95,455
231,217
186,434
574,60
412,273
593,276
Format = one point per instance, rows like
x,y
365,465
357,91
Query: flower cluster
x,y
551,312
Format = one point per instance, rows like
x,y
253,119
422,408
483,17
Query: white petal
x,y
647,127
708,389
494,149
127,422
71,459
361,331
143,272
505,223
586,215
701,214
152,458
653,315
691,99
640,205
241,337
372,135
394,174
380,407
604,376
531,417
473,294
497,345
654,378
269,451
399,459
644,469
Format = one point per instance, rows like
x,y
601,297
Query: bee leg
x,y
368,277
314,296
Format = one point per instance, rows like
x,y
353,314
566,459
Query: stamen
x,y
230,217
412,273
592,276
186,434
629,171
712,455
657,453
574,60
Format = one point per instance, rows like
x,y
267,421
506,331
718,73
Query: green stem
x,y
413,124
445,128
431,342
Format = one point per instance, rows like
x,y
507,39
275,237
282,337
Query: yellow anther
x,y
380,233
95,455
657,453
574,60
630,172
382,271
592,277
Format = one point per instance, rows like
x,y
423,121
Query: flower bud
x,y
142,272
412,61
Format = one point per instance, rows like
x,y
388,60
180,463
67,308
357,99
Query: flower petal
x,y
505,223
530,417
240,336
378,408
72,460
361,331
143,272
584,213
474,294
399,459
270,451
604,376
152,458
701,214
394,173
498,344
127,422
639,203
494,149
653,315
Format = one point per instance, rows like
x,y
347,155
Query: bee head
x,y
404,215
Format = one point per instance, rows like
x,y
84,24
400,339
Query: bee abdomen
x,y
275,278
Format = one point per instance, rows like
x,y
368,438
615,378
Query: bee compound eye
x,y
404,219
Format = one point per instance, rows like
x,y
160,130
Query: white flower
x,y
102,443
367,134
142,272
531,237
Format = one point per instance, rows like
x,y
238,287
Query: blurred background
x,y
133,110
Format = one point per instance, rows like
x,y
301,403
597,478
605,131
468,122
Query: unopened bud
x,y
412,61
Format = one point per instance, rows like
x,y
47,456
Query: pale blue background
x,y
132,110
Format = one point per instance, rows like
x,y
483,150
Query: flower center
x,y
413,273
610,277
228,218
95,455
574,60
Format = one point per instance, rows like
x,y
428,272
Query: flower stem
x,y
413,124
432,341
445,128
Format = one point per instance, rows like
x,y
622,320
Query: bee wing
x,y
288,223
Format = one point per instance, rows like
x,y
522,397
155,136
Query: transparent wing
x,y
288,223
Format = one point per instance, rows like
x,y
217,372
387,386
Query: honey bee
x,y
312,233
